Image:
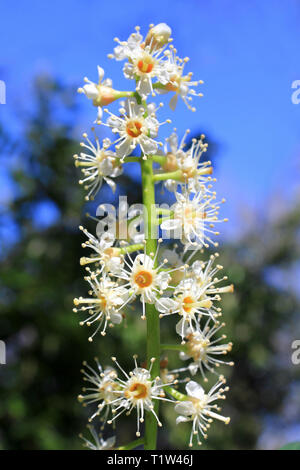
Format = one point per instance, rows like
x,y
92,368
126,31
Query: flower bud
x,y
158,35
170,163
101,95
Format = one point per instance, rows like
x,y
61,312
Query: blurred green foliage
x,y
40,275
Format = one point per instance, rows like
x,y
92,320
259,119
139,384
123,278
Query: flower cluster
x,y
159,280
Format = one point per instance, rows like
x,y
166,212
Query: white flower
x,y
100,93
188,301
98,443
204,349
145,280
134,128
194,218
195,295
98,165
144,67
104,305
106,254
146,60
125,48
180,83
205,274
194,174
199,408
101,384
137,391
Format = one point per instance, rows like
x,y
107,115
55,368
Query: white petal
x,y
114,265
144,87
173,102
147,145
128,71
181,419
182,328
110,442
152,125
185,408
166,305
193,368
106,240
99,113
111,184
106,166
120,52
100,73
151,108
134,40
173,142
183,89
107,82
163,280
124,149
91,91
197,268
116,318
171,185
194,390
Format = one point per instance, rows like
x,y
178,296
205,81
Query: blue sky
x,y
246,52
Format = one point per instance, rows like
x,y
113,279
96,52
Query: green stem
x,y
131,445
159,85
152,316
175,394
173,175
131,159
161,159
125,94
132,248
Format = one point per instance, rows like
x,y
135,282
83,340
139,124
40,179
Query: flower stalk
x,y
152,316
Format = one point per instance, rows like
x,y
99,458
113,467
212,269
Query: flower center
x,y
137,391
199,403
133,128
103,301
174,83
188,304
189,172
197,347
100,156
105,390
189,213
143,278
145,65
110,252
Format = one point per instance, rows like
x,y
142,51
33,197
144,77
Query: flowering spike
x,y
131,271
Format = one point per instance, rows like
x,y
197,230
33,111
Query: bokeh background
x,y
248,55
